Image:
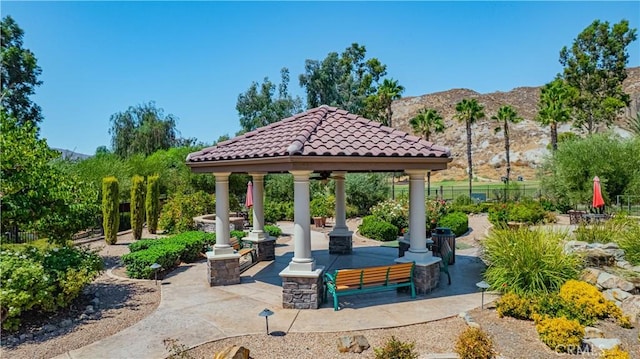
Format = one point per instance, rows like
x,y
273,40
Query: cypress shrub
x,y
110,215
153,203
137,206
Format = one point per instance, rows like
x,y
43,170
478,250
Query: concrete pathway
x,y
195,313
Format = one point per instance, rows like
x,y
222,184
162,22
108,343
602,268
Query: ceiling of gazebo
x,y
321,139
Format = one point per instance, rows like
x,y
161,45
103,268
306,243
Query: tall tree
x,y
259,107
342,80
427,121
596,66
142,129
35,193
506,114
554,107
378,105
468,111
19,75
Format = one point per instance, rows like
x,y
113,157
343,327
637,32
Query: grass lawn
x,y
453,189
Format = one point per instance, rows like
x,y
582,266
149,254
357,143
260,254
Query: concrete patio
x,y
195,313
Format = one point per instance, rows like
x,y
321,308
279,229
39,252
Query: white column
x,y
222,246
340,227
258,206
302,260
417,221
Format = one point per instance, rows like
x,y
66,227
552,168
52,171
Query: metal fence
x,y
22,237
481,193
629,204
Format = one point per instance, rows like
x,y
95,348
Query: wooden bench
x,y
366,280
235,243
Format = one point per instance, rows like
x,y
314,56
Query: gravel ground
x,y
123,303
117,304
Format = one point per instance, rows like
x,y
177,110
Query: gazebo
x,y
325,140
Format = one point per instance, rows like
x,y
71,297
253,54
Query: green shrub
x,y
273,231
137,206
462,200
167,252
528,262
364,190
392,211
375,228
529,212
238,234
110,203
474,343
153,203
396,349
43,279
457,221
177,214
561,334
139,263
278,211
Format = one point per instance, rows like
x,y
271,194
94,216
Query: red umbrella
x,y
597,193
249,201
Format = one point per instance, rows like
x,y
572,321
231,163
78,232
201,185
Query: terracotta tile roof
x,y
322,131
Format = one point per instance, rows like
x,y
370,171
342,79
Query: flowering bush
x,y
589,302
474,343
435,210
615,353
561,334
392,211
47,279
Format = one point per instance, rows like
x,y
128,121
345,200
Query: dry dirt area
x,y
115,304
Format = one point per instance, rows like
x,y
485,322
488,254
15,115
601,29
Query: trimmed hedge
x,y
375,228
137,206
110,215
168,252
457,221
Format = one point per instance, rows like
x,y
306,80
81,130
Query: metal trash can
x,y
444,234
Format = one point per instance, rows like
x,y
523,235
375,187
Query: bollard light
x,y
155,267
266,313
484,286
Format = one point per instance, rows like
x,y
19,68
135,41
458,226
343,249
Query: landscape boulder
x,y
233,352
631,308
353,344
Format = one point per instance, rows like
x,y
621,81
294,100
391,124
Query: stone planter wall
x,y
207,223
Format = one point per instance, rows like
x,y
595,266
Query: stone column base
x,y
426,273
340,243
426,277
223,269
302,290
265,248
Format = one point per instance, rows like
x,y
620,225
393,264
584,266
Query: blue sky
x,y
194,58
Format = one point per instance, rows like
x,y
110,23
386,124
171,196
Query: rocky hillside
x,y
528,140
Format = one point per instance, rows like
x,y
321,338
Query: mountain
x,y
71,155
528,139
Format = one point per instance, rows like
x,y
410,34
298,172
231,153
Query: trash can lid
x,y
442,230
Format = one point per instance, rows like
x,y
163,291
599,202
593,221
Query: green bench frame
x,y
367,280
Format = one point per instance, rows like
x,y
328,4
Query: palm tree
x,y
468,111
505,115
553,107
427,120
389,91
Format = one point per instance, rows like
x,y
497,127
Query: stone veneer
x,y
340,244
302,292
426,277
223,271
265,248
